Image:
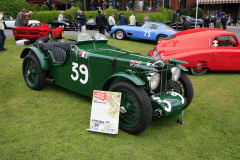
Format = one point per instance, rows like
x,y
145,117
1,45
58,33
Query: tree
x,y
12,8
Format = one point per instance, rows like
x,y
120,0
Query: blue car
x,y
153,31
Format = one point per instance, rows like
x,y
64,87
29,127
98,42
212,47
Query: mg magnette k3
x,y
149,86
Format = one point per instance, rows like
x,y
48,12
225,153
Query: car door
x,y
226,55
147,32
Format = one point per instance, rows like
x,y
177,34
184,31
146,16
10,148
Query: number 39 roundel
x,y
83,70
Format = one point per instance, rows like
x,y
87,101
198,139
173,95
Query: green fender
x,y
134,79
39,54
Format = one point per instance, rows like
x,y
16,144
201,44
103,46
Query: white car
x,y
9,23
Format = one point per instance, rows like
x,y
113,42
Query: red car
x,y
37,30
203,48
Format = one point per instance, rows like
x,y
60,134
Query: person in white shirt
x,y
132,20
111,21
141,5
60,17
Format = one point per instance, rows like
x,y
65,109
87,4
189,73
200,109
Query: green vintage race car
x,y
149,86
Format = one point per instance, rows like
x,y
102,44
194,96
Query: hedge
x,y
164,16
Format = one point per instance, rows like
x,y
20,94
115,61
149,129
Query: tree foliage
x,y
13,7
44,8
80,5
200,13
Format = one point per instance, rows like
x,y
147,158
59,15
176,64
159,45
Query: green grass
x,y
52,123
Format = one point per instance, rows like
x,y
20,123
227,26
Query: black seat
x,y
58,55
50,45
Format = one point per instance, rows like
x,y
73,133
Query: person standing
x,y
124,20
82,21
60,16
120,17
27,17
185,24
104,5
20,18
111,21
101,22
206,21
132,20
69,16
141,5
146,18
49,4
146,4
99,5
224,22
128,5
93,5
214,21
2,34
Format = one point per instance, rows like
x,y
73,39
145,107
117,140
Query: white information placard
x,y
105,112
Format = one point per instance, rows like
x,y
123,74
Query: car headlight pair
x,y
176,73
154,79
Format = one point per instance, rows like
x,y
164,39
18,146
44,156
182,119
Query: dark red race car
x,y
203,48
37,30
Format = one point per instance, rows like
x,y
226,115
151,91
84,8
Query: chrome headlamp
x,y
155,52
154,80
176,73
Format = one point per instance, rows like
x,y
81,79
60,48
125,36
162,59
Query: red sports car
x,y
203,48
37,30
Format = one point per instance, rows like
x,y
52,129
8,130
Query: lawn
x,y
52,123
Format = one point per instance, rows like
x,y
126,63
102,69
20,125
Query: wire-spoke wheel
x,y
135,109
33,75
120,34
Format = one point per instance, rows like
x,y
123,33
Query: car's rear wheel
x,y
61,35
33,74
135,109
198,71
184,87
160,37
50,35
120,34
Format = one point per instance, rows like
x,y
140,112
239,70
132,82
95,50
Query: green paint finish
x,y
39,54
172,110
88,66
132,110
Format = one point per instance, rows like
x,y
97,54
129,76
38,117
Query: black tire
x,y
50,35
136,116
198,71
184,87
61,35
120,34
160,37
33,74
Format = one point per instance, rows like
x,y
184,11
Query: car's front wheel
x,y
50,35
160,37
198,71
61,35
120,34
135,108
33,74
184,87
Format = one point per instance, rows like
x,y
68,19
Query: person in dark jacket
x,y
69,17
123,20
120,17
185,24
101,22
206,21
93,5
224,22
80,19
